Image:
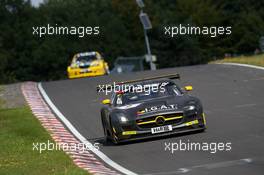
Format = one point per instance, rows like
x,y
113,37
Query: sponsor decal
x,y
158,108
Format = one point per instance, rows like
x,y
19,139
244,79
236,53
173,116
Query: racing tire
x,y
112,135
106,132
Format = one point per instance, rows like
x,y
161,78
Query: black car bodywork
x,y
166,113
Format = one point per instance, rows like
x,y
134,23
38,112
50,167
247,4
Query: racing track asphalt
x,y
233,100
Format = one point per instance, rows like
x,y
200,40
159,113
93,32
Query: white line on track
x,y
245,105
76,133
243,65
207,166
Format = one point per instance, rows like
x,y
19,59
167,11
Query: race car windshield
x,y
146,94
87,58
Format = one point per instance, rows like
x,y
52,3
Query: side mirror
x,y
106,101
188,88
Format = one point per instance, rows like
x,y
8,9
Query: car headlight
x,y
122,118
189,108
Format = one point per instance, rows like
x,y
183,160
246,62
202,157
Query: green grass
x,y
18,130
257,60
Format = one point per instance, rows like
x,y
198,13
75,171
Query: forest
x,y
28,57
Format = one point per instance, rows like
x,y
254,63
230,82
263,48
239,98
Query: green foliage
x,y
19,130
24,56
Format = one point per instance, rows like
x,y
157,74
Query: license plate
x,y
160,129
85,71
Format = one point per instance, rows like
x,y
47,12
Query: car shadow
x,y
104,142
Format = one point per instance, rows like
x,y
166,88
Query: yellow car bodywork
x,y
96,68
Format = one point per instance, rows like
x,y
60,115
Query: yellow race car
x,y
87,64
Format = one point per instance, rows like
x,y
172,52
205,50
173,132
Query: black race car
x,y
141,111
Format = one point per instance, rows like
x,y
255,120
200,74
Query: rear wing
x,y
109,86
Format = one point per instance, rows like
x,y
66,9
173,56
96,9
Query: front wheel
x,y
114,138
106,132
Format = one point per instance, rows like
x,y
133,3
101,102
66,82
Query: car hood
x,y
156,106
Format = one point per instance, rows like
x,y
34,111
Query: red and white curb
x,y
82,158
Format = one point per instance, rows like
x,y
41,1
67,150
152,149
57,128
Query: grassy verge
x,y
257,60
19,129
